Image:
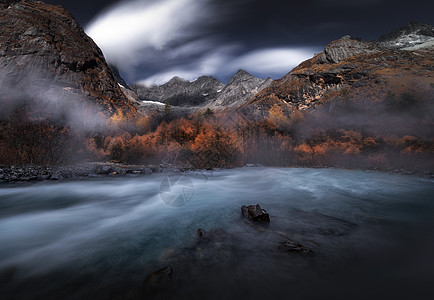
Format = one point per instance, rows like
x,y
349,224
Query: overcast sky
x,y
154,40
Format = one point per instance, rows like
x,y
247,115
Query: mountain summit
x,y
181,92
240,88
410,35
351,68
206,91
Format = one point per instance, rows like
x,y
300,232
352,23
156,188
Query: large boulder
x,y
255,213
344,48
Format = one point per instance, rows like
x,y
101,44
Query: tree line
x,y
218,140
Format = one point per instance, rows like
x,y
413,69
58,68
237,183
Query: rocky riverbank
x,y
39,173
97,169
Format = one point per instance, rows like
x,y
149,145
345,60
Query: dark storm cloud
x,y
154,39
188,38
83,10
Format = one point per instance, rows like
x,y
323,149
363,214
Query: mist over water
x,y
372,235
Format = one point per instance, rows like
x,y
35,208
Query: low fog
x,y
46,99
399,115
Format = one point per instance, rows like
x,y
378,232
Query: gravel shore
x,y
39,173
96,169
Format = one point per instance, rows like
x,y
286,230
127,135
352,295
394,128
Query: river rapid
x,y
371,233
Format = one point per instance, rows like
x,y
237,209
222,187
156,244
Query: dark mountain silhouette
x,y
45,54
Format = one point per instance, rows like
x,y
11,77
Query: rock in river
x,y
255,213
291,246
215,236
159,278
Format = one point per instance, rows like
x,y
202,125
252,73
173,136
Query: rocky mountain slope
x,y
205,92
241,87
181,92
412,34
351,68
45,54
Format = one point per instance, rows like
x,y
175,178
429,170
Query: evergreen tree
x,y
167,112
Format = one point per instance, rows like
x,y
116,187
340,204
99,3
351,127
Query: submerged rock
x,y
201,234
291,246
159,278
255,213
216,236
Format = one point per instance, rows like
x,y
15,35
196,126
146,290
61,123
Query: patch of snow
x,y
429,44
152,102
410,40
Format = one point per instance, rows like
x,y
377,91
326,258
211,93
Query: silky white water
x,y
76,238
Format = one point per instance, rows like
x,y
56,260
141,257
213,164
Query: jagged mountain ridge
x,y
348,63
45,51
43,45
206,91
241,87
410,35
181,92
354,68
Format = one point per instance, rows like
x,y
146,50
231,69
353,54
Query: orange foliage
x,y
144,124
277,118
216,147
30,143
115,147
220,140
304,153
93,149
369,142
117,118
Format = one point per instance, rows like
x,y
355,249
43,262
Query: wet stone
x,y
294,247
255,213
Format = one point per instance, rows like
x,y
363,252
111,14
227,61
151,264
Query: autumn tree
x,y
117,118
144,124
216,147
277,119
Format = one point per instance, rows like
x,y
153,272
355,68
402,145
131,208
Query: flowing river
x,y
371,233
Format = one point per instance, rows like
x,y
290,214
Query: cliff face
x,y
43,50
351,68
